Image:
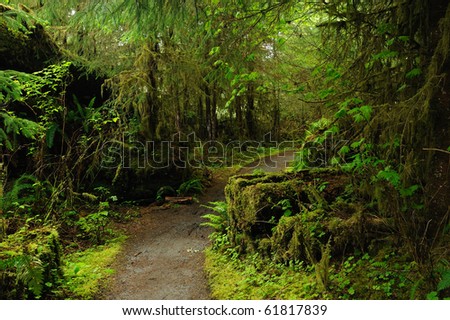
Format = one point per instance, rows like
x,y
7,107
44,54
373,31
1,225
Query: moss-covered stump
x,y
30,264
253,204
297,216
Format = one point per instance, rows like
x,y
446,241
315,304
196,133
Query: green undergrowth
x,y
86,272
30,263
251,278
307,236
387,276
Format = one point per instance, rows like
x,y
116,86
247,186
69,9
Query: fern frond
x,y
30,272
25,183
219,221
214,220
11,84
29,129
4,140
445,281
190,186
218,206
9,122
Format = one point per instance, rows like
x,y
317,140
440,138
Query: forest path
x,y
163,257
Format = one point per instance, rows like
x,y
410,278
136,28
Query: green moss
x,y
30,263
255,279
251,201
86,271
385,276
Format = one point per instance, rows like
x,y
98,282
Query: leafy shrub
x,y
94,226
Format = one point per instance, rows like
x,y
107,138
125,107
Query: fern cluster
x,y
191,186
14,125
26,191
23,270
219,220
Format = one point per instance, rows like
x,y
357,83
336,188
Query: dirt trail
x,y
163,258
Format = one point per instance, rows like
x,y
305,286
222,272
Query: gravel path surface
x,y
163,257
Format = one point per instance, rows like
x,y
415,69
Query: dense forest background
x,y
91,91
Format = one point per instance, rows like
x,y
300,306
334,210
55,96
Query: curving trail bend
x,y
163,257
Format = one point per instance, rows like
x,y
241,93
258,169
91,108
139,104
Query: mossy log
x,y
319,213
24,44
30,263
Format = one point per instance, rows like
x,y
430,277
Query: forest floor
x,y
163,257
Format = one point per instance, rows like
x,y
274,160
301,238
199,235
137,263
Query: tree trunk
x,y
154,103
276,116
249,114
239,120
208,112
200,118
214,123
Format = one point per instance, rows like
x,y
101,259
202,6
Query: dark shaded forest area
x,y
112,105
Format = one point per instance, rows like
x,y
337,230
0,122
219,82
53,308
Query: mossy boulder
x,y
30,263
297,216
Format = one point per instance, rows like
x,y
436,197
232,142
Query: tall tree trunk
x,y
249,114
178,115
207,92
214,123
185,117
276,116
154,103
239,118
200,118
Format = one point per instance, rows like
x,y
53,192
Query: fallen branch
x,y
436,149
179,200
